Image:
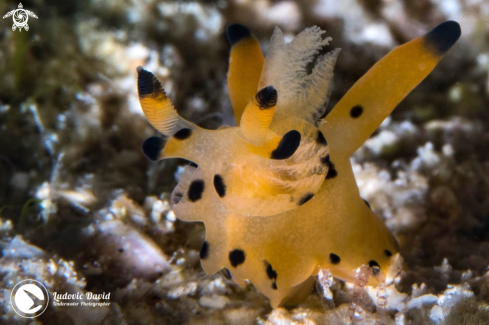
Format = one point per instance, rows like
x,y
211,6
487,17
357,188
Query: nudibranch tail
x,y
245,66
372,98
441,38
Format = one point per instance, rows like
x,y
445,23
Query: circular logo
x,y
29,298
20,17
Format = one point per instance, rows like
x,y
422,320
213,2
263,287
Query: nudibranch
x,y
276,193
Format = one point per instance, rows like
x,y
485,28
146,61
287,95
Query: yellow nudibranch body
x,y
276,193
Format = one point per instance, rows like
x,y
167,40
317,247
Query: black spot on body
x,y
204,250
441,38
271,273
335,259
356,111
325,160
368,204
373,263
219,185
320,139
305,198
121,250
332,173
287,146
195,190
237,257
152,147
387,253
266,98
236,33
274,286
183,134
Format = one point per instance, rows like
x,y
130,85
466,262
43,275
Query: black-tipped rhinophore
x,y
442,37
267,97
146,82
287,146
236,33
152,147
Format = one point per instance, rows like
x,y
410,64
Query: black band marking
x,y
148,83
145,81
236,33
266,98
441,38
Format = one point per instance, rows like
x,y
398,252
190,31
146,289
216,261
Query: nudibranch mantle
x,y
277,193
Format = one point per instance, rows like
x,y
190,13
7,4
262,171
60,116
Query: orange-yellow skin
x,y
243,83
281,252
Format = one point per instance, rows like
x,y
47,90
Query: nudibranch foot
x,y
361,305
